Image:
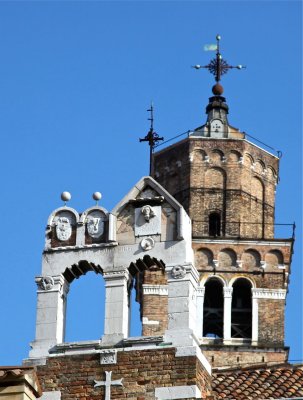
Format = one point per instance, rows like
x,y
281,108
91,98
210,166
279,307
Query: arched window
x,y
213,309
241,313
214,224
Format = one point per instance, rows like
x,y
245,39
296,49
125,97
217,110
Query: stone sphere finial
x,y
97,196
217,89
65,196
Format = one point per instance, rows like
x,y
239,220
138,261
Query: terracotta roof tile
x,y
274,382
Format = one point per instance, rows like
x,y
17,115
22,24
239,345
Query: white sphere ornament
x,y
97,196
66,196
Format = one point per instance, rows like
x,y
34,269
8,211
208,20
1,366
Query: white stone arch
x,y
200,299
206,278
73,309
52,297
89,210
233,280
61,209
71,216
255,306
107,224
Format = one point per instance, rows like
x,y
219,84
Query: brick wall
x,y
235,356
271,321
142,371
231,176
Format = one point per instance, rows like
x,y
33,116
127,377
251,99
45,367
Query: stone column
x,y
255,318
182,286
200,311
116,324
227,292
51,306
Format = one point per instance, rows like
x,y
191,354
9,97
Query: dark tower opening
x,y
214,224
213,309
241,314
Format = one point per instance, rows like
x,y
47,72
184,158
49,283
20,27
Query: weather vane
x,y
152,137
217,66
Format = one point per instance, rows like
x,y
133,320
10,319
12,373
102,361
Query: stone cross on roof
x,y
108,383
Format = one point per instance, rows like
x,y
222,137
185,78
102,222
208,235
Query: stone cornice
x,y
275,294
160,290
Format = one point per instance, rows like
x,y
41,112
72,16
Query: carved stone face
x,y
63,229
147,212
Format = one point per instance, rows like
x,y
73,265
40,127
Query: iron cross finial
x,y
218,66
152,137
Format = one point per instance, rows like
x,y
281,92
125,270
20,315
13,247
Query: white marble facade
x,y
148,221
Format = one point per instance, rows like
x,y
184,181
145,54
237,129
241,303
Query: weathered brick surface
x,y
220,356
232,177
142,371
155,310
271,321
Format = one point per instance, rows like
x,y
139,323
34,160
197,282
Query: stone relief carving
x,y
148,220
147,244
147,212
63,228
46,283
108,357
95,224
178,272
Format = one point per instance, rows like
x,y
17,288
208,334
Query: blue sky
x,y
76,79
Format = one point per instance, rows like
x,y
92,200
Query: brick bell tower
x,y
227,186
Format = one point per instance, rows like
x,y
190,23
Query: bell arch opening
x,y
147,298
213,309
241,313
85,303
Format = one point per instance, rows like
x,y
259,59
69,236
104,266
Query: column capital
x,y
181,272
200,291
227,291
264,293
112,276
48,283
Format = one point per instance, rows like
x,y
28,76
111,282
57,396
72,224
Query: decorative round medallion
x,y
178,272
147,244
47,283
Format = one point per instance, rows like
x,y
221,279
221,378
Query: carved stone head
x,y
147,212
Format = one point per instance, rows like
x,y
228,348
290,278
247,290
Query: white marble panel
x,y
177,392
148,220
